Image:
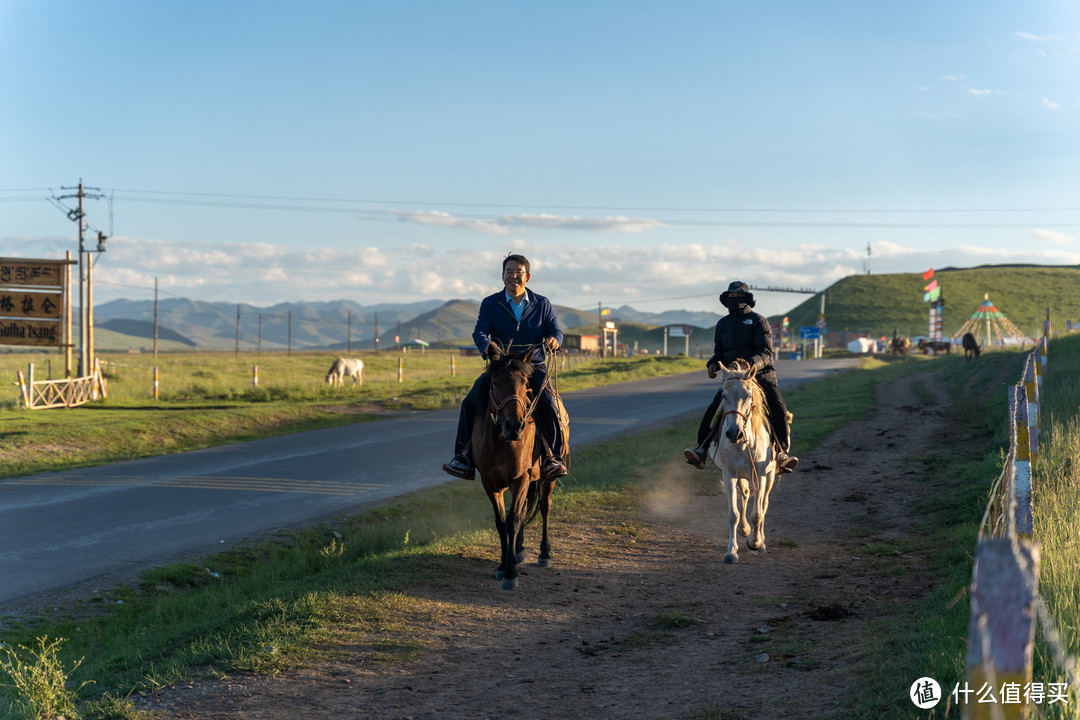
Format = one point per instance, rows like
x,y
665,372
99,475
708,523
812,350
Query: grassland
x,y
1056,493
211,398
879,304
292,594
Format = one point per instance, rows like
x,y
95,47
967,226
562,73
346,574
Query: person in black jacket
x,y
516,319
744,338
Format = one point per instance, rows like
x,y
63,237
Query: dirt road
x,y
646,622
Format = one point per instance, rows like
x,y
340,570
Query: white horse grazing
x,y
343,368
744,451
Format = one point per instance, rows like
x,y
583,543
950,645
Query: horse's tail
x,y
532,503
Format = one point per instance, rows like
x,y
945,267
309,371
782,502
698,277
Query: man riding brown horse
x,y
743,338
514,319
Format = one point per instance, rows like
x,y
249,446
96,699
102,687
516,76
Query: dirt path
x,y
640,618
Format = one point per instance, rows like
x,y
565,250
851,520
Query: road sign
x,y
809,332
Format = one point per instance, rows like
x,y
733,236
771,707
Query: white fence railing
x,y
1005,601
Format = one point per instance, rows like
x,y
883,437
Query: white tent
x,y
861,345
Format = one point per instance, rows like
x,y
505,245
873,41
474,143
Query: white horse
x,y
343,368
746,457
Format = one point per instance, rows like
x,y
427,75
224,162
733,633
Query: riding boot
x,y
696,456
782,438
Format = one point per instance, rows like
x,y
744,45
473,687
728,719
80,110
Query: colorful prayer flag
x,y
928,274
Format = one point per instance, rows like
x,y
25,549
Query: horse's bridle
x,y
745,416
496,407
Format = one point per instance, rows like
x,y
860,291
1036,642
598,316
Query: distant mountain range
x,y
874,305
333,325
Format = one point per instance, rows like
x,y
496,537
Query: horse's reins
x,y
755,479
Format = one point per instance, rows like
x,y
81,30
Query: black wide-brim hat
x,y
737,291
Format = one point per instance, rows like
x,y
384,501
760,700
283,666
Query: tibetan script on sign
x,y
31,273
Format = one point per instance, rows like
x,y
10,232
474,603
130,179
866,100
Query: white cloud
x,y
954,78
1055,238
977,91
1034,37
1050,104
505,224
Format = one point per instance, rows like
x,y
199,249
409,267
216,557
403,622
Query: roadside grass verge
x,y
208,399
1056,494
294,598
928,636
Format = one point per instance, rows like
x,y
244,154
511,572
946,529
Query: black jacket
x,y
744,334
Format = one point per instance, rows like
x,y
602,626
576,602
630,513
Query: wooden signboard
x,y
30,332
19,272
24,303
32,302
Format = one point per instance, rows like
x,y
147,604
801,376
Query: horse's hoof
x,y
544,562
762,550
509,583
731,558
752,545
520,557
499,574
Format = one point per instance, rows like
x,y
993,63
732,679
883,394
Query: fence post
x,y
400,368
23,390
453,368
255,376
1002,626
1031,388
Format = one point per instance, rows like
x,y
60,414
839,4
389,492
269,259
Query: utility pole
x,y
86,316
600,329
155,319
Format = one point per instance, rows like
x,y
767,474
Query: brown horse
x,y
507,456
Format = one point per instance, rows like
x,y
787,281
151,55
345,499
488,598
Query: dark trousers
x,y
547,418
777,412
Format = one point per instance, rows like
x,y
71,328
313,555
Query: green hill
x,y
879,304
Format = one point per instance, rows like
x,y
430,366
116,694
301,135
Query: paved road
x,y
67,528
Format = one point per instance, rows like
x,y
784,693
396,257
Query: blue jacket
x,y
496,321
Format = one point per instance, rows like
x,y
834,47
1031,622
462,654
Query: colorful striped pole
x,y
400,368
254,376
155,382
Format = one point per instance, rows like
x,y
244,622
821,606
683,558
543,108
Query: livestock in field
x,y
506,453
746,456
935,346
971,347
901,345
343,368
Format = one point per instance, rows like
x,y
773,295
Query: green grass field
x,y
210,398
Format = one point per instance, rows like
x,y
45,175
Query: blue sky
x,y
638,153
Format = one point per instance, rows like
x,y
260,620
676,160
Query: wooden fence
x,y
1005,601
65,393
